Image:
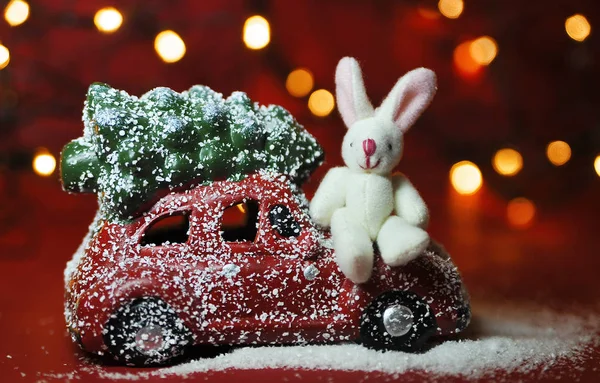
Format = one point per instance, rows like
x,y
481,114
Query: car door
x,y
271,278
297,291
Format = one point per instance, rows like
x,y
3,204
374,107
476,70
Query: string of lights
x,y
470,58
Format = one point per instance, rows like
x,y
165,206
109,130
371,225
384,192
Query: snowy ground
x,y
509,338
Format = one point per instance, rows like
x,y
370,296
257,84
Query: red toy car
x,y
242,263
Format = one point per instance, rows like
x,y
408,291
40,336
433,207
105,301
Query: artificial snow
x,y
501,338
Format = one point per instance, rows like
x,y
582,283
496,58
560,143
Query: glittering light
x,y
299,82
520,212
483,50
169,46
44,163
597,165
16,12
464,61
108,20
321,102
241,208
558,152
257,32
578,27
466,177
451,8
507,162
4,56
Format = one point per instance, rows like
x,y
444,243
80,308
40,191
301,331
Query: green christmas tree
x,y
135,148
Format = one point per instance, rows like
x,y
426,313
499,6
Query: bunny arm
x,y
408,204
330,196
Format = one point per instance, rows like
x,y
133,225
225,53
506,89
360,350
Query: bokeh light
x,y
558,152
108,20
169,46
520,212
507,162
16,12
428,13
483,50
451,8
299,82
466,177
464,61
321,102
44,163
597,165
257,32
4,56
578,27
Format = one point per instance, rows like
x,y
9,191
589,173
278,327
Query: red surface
x,y
553,263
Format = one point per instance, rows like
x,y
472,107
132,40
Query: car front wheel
x,y
146,331
397,320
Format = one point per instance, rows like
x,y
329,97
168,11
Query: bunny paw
x,y
400,242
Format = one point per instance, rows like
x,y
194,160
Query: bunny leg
x,y
399,242
353,247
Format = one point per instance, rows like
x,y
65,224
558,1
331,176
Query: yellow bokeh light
x,y
520,212
463,60
578,27
558,152
44,163
483,50
597,165
169,46
466,177
299,82
507,162
108,19
451,8
16,12
4,56
321,102
257,32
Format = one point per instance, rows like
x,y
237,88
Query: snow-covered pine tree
x,y
135,148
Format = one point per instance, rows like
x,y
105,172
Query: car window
x,y
239,222
167,229
283,221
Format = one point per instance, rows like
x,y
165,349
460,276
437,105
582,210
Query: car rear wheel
x,y
397,320
146,331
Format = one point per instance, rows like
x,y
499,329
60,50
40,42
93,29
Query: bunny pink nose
x,y
369,147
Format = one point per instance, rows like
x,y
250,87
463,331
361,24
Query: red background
x,y
541,87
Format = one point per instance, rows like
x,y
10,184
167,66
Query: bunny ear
x,y
352,99
408,99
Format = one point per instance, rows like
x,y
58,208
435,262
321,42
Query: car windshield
x,y
283,221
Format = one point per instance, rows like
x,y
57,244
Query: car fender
x,y
96,305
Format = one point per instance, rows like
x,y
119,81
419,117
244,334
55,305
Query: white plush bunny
x,y
363,202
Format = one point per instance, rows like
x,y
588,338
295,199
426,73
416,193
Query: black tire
x,y
373,333
146,331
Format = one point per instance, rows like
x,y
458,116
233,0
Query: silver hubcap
x,y
149,339
397,320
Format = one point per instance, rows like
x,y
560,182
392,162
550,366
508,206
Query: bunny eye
x,y
351,144
389,146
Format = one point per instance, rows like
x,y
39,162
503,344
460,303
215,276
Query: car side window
x,y
167,229
239,222
283,221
